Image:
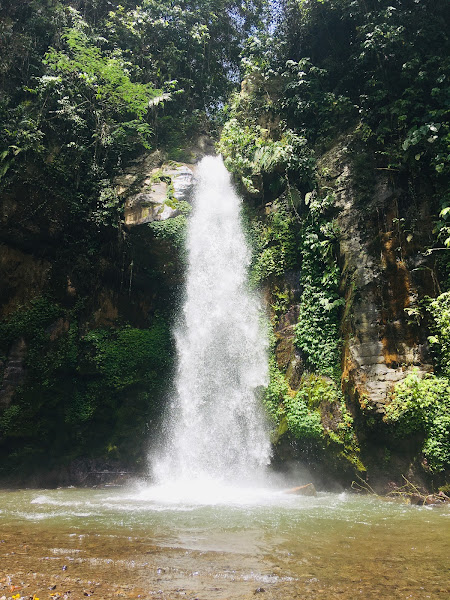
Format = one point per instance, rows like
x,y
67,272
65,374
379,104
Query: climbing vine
x,y
274,241
317,332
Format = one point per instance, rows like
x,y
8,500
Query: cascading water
x,y
216,427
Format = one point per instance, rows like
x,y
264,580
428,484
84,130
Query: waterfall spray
x,y
216,426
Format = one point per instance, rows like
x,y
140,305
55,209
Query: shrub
x,y
422,405
440,310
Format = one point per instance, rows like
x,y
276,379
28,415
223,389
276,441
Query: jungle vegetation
x,y
87,86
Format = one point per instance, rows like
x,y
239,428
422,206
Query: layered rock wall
x,y
385,273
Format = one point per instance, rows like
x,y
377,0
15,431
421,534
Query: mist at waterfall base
x,y
216,439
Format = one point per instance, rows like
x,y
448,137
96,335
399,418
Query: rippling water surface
x,y
145,542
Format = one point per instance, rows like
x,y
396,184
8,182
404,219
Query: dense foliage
x,y
315,416
440,310
382,67
90,393
388,61
317,331
378,73
87,86
422,406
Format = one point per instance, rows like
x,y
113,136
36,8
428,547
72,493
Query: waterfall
x,y
216,428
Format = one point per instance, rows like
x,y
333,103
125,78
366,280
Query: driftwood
x,y
302,490
408,493
411,494
362,486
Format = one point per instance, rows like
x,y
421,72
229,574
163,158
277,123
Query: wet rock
x,y
151,189
380,280
58,328
14,372
287,354
149,206
259,590
182,178
152,202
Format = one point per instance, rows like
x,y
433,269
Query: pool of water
x,y
141,542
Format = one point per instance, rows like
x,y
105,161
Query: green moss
x,y
280,430
82,394
276,391
128,355
29,322
302,422
316,414
315,390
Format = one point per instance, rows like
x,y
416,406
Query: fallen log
x,y
302,490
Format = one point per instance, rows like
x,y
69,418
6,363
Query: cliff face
x,y
85,319
87,350
387,277
40,254
383,233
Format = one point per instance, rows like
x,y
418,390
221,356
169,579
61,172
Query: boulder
x,y
154,197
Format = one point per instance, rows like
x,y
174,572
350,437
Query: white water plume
x,y
216,427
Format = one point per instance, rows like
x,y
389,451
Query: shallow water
x,y
134,543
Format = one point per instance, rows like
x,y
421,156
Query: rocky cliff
x,y
383,232
73,322
72,312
